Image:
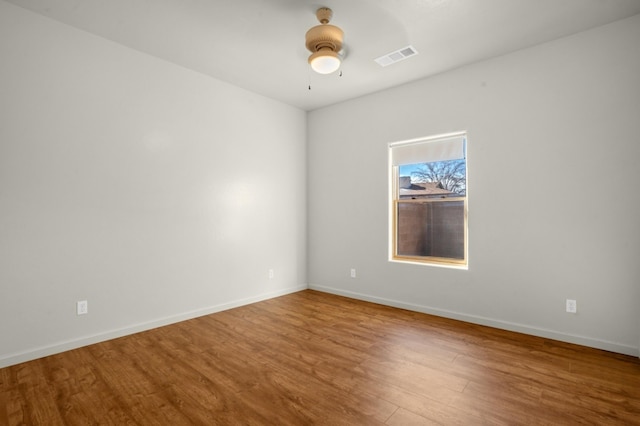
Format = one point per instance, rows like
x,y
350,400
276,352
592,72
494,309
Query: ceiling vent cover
x,y
396,56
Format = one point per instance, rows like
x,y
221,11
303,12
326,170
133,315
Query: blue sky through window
x,y
407,169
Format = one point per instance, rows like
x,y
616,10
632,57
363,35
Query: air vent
x,y
397,56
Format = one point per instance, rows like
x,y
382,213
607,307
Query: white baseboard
x,y
503,325
39,352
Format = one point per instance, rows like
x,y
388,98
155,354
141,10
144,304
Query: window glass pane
x,y
438,179
434,229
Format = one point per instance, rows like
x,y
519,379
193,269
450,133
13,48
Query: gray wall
x,y
553,148
153,192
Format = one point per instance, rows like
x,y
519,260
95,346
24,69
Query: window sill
x,y
426,263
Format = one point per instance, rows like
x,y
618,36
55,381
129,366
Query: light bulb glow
x,y
324,62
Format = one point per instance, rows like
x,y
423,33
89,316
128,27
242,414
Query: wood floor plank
x,y
38,404
321,380
314,358
404,417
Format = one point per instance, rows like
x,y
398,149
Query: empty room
x,y
287,212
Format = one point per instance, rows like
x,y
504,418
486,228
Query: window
x,y
429,200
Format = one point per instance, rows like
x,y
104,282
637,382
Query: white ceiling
x,y
259,44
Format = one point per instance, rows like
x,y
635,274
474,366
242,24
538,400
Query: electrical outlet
x,y
82,307
353,272
272,274
572,306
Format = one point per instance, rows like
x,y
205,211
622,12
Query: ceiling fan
x,y
324,41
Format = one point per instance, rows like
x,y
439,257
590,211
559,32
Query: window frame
x,y
395,201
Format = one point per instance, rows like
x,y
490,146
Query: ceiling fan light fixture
x,y
324,41
324,61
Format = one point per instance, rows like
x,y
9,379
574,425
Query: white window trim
x,y
391,198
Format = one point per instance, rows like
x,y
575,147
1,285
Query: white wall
x,y
151,191
553,200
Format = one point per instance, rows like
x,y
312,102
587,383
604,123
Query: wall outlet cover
x,y
82,307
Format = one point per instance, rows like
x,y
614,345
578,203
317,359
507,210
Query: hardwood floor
x,y
313,358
